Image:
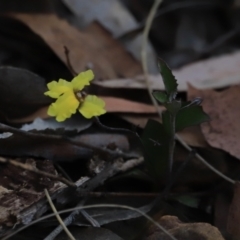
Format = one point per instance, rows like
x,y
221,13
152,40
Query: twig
x,y
57,216
69,65
145,69
120,130
37,171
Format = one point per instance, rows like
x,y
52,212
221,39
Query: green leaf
x,y
160,96
189,116
169,80
187,200
154,139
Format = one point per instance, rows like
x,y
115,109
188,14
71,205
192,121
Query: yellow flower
x,y
70,98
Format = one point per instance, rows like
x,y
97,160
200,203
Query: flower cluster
x,y
71,98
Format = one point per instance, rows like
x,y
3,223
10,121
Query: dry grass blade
x,y
58,217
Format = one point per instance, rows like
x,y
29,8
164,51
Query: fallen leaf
x,y
126,106
21,92
40,113
223,130
193,136
184,231
116,18
105,55
215,72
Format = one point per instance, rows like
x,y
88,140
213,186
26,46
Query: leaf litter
x,y
104,158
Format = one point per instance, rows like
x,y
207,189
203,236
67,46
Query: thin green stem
x,y
171,145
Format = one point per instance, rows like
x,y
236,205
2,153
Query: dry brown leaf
x,y
40,113
234,214
215,72
95,47
193,136
223,130
138,120
184,231
123,105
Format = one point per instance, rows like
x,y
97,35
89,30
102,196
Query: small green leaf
x,y
189,116
160,96
187,200
169,80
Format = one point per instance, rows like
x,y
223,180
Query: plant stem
x,y
171,145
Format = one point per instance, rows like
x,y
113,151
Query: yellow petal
x,y
83,79
92,106
58,88
64,107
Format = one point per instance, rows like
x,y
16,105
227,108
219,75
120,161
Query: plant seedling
x,y
178,115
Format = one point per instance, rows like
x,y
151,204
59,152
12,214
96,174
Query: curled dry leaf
x,y
223,130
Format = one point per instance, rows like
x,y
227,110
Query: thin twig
x,y
138,194
113,129
146,74
99,150
69,65
57,216
37,171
